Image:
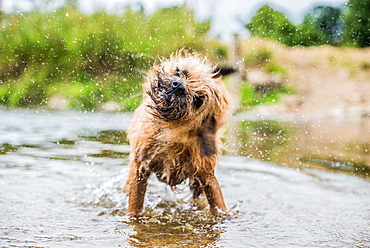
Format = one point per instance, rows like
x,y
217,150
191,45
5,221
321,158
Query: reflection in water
x,y
175,227
341,145
116,137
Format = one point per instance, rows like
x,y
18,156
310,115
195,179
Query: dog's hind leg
x,y
196,189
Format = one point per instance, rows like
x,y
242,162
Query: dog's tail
x,y
224,71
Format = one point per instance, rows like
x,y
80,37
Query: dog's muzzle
x,y
177,88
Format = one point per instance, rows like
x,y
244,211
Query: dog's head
x,y
183,87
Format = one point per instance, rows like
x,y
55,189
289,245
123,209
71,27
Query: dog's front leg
x,y
214,196
136,194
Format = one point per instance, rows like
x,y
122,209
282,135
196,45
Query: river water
x,y
301,182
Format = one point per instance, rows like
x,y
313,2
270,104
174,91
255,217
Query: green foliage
x,y
328,20
263,58
273,67
91,59
253,95
308,34
321,25
250,96
257,57
357,23
221,53
272,24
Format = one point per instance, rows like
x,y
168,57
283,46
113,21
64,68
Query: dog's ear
x,y
223,71
207,139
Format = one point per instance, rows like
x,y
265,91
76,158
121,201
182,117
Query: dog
x,y
174,133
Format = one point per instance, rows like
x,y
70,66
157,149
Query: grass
x,y
250,96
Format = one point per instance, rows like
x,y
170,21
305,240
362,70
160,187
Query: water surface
x,y
61,175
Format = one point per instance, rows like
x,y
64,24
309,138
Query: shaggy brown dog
x,y
174,132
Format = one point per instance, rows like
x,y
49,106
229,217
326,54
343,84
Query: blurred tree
x,y
269,23
322,25
357,23
328,19
308,34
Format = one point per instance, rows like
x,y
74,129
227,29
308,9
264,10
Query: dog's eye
x,y
198,101
177,72
186,73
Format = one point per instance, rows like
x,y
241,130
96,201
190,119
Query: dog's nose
x,y
176,84
178,87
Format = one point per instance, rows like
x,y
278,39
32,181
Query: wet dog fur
x,y
174,133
